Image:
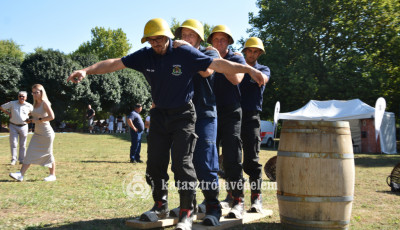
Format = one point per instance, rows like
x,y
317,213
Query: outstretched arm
x,y
102,67
5,111
231,68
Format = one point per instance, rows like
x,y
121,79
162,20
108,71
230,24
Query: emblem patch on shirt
x,y
176,70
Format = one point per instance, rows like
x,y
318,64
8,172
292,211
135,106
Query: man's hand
x,y
178,43
213,48
258,77
238,54
77,76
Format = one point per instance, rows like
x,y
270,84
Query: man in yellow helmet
x,y
169,71
229,121
251,101
205,156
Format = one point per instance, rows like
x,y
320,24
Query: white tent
x,y
352,111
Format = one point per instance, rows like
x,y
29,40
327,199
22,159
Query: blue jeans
x,y
205,156
136,143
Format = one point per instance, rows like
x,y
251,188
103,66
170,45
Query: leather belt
x,y
17,124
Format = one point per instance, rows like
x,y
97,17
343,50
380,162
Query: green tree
x,y
106,44
51,69
328,50
10,77
114,92
8,48
134,90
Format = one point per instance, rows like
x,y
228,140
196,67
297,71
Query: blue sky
x,y
64,25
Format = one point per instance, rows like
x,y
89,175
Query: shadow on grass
x,y
389,192
376,160
119,223
114,162
126,136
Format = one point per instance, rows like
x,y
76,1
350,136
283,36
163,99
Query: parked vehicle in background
x,y
267,133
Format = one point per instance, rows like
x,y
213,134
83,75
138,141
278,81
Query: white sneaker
x,y
13,162
17,176
50,178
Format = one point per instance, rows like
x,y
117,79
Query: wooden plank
x,y
136,223
228,223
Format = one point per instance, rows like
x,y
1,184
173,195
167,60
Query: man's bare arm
x,y
230,69
102,67
130,123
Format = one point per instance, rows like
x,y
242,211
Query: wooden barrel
x,y
315,175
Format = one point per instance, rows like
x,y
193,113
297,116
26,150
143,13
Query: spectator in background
x,y
97,126
136,125
40,150
111,121
120,123
147,126
90,116
62,126
18,111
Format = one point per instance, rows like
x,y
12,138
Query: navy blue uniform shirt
x,y
137,121
252,94
169,75
204,97
225,92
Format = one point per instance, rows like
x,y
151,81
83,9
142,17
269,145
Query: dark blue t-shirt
x,y
252,94
225,92
204,97
136,120
169,75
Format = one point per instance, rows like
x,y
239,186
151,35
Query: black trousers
x,y
250,134
172,129
228,137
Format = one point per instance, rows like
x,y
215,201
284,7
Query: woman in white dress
x,y
40,150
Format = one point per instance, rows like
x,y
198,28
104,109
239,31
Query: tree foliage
x,y
51,69
106,44
10,49
329,50
10,78
114,92
134,90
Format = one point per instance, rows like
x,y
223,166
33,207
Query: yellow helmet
x,y
223,29
156,27
192,24
254,43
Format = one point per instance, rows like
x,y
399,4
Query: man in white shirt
x,y
18,111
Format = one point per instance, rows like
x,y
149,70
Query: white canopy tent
x,y
352,111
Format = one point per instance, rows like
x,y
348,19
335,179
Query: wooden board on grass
x,y
136,223
228,223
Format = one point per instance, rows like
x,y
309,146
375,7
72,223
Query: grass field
x,y
92,190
